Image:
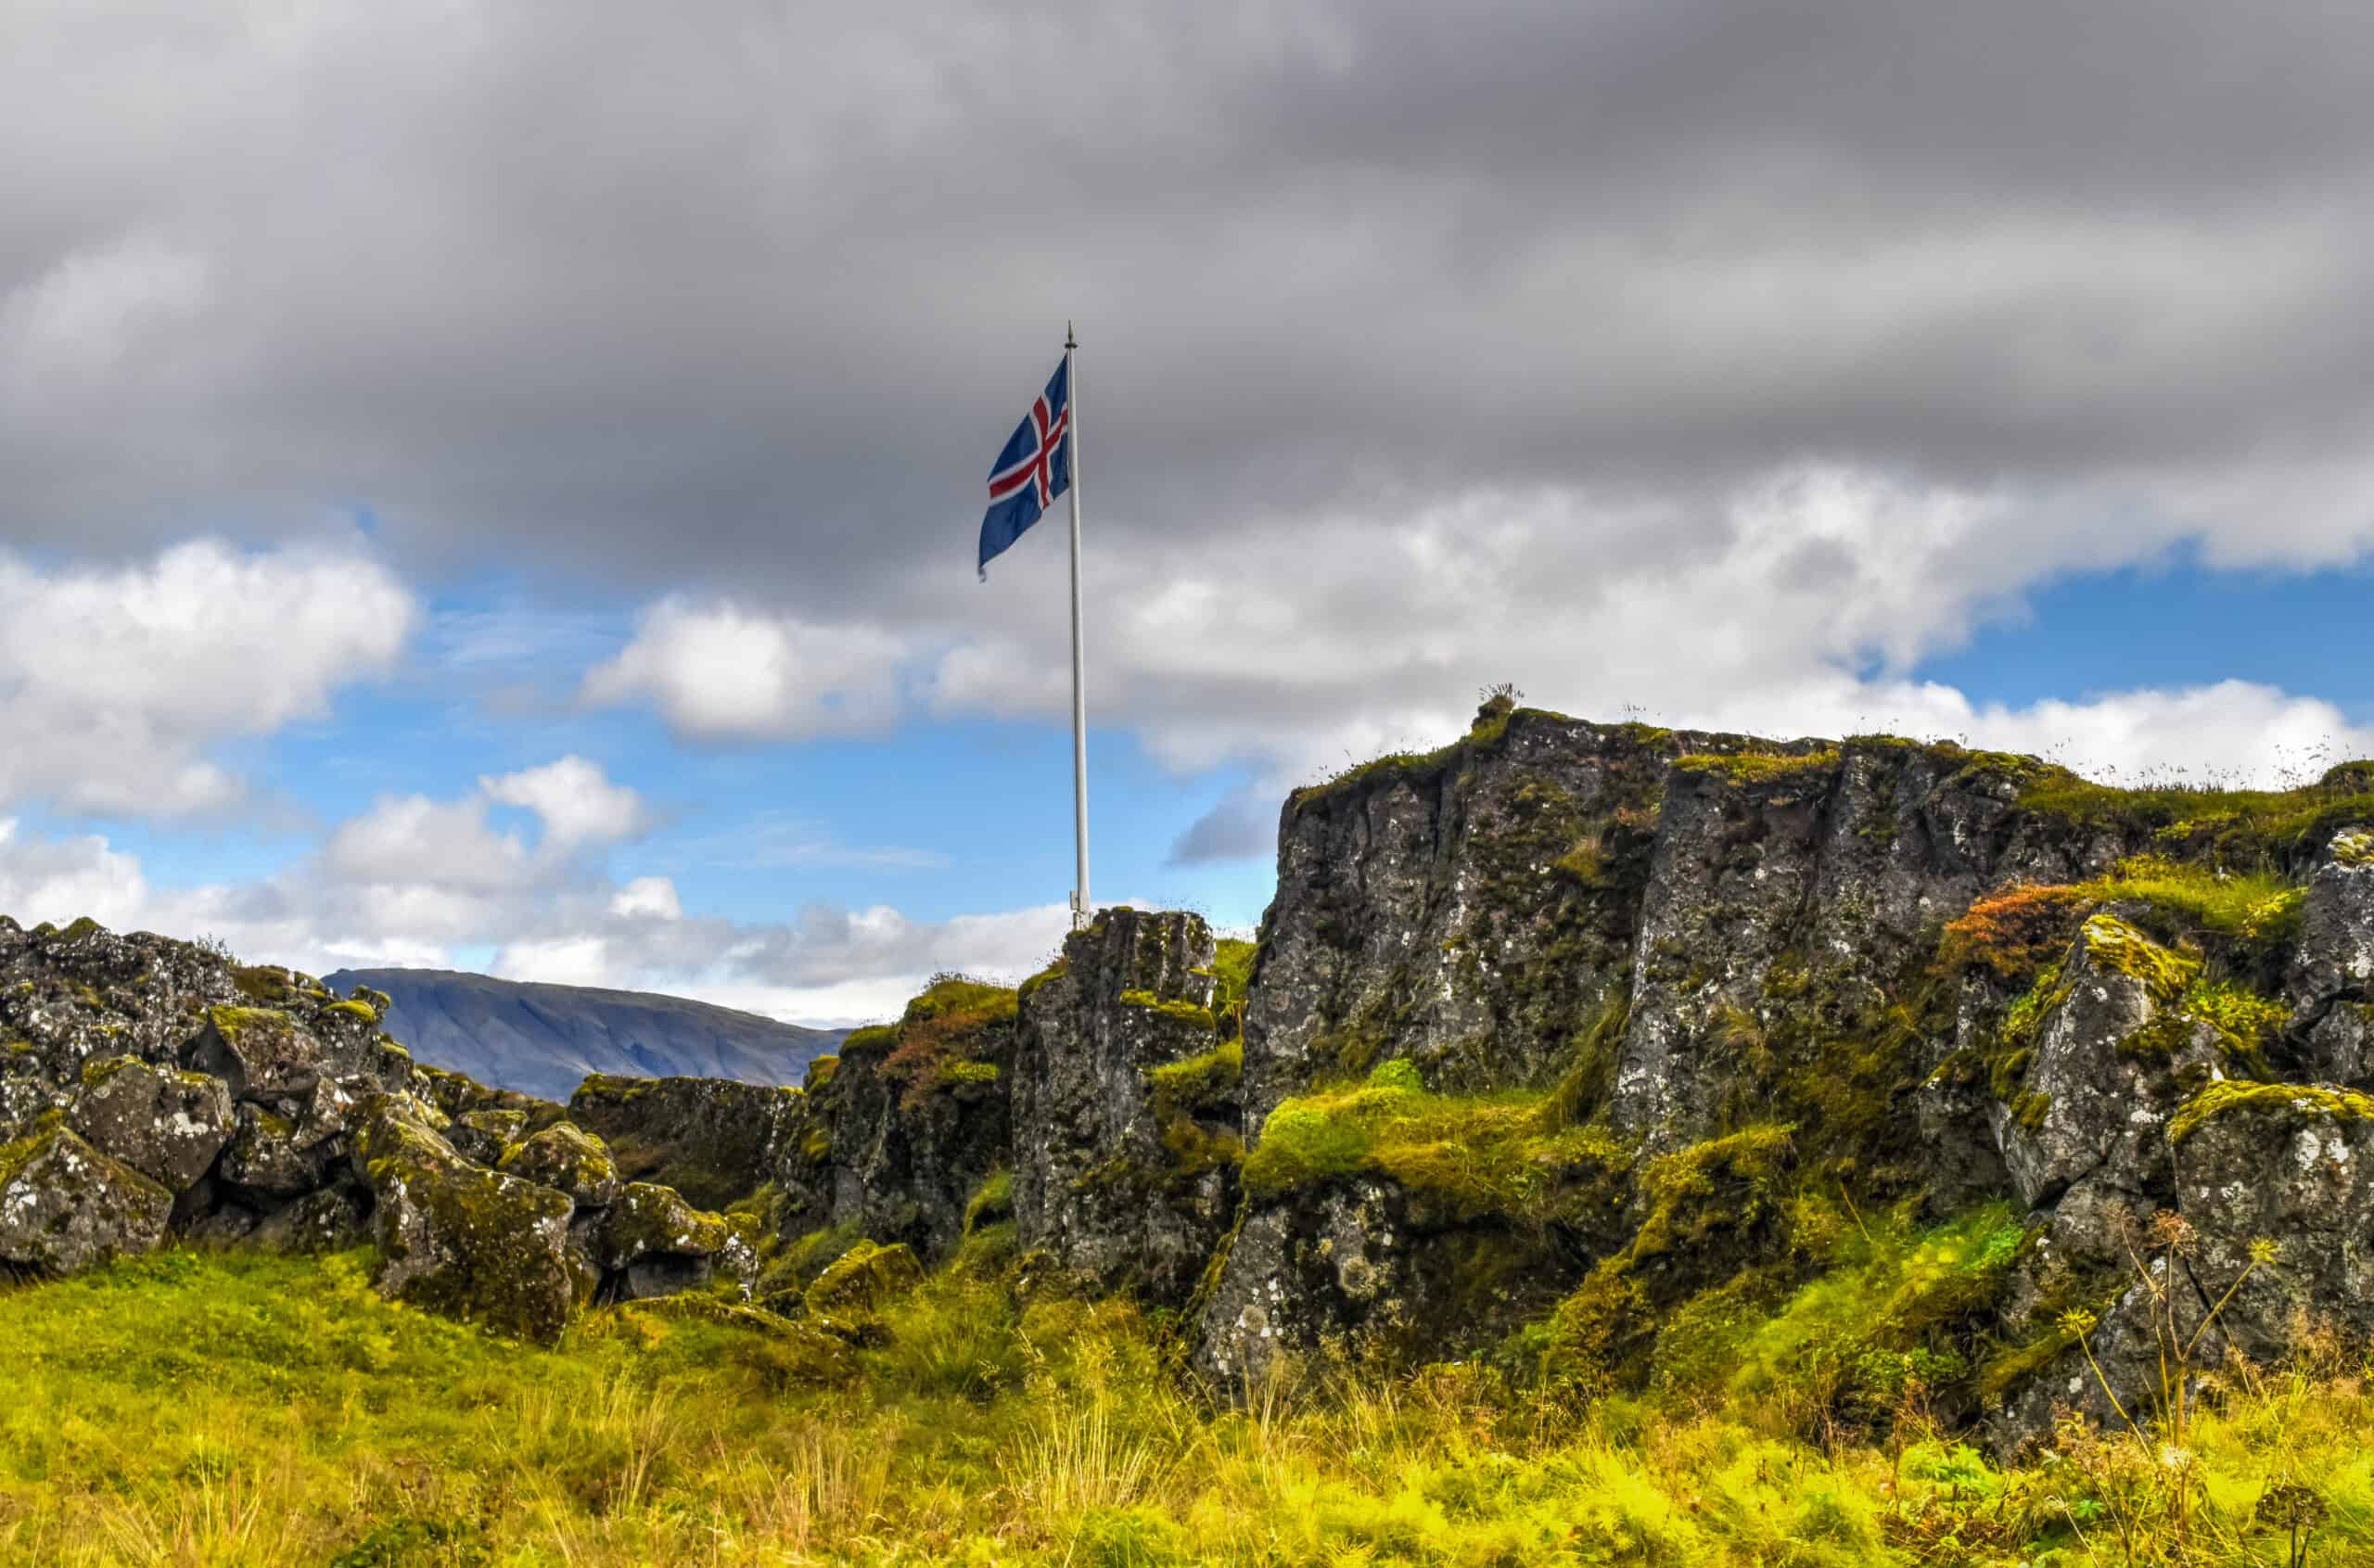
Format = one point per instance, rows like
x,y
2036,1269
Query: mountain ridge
x,y
544,1039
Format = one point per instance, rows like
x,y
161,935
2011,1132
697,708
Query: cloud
x,y
745,328
419,882
451,847
117,682
719,672
576,803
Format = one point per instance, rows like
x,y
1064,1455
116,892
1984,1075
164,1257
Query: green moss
x,y
361,1010
2114,945
2297,1101
1185,1012
617,1088
85,926
1199,1082
1479,1155
2354,847
100,1068
2241,828
821,1071
1758,767
862,1278
232,1022
1030,986
991,1202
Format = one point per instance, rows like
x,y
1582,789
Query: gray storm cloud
x,y
667,298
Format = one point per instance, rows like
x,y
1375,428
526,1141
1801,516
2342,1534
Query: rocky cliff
x,y
1563,1047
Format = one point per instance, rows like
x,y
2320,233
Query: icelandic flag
x,y
1035,467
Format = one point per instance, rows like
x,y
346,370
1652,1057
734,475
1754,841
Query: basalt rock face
x,y
1125,1108
896,1138
152,1088
1910,974
714,1140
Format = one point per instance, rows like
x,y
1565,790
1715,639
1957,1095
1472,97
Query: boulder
x,y
259,1052
2114,1053
484,1136
567,1160
652,1243
167,1124
856,1284
64,1206
460,1240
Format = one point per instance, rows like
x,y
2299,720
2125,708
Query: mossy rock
x,y
2297,1102
456,1238
259,1052
862,1279
648,1220
568,1161
166,1124
64,1206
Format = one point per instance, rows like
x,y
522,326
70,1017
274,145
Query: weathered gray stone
x,y
167,1124
1126,1109
567,1160
64,1206
458,1239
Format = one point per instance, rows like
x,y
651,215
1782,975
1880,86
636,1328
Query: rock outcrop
x,y
1554,1039
1126,1112
152,1088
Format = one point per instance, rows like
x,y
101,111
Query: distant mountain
x,y
543,1039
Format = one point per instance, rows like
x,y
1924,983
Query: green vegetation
x,y
2296,1100
241,1409
1759,767
954,1034
1185,1012
2240,828
1498,1154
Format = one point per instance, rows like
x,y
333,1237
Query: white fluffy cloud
x,y
721,672
576,803
1797,604
117,682
414,842
422,882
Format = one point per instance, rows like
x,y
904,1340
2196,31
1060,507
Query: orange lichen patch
x,y
2016,932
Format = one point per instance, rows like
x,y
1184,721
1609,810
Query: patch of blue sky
x,y
2175,624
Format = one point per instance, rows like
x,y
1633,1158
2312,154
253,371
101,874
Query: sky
x,y
495,485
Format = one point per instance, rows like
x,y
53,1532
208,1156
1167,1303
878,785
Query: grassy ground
x,y
225,1409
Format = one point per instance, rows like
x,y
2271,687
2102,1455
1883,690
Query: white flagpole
x,y
1079,691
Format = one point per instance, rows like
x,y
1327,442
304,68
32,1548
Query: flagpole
x,y
1079,691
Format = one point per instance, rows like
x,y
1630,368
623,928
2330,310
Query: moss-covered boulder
x,y
163,1122
458,1239
259,1052
652,1243
2094,1061
861,1280
64,1206
567,1160
486,1136
2290,1164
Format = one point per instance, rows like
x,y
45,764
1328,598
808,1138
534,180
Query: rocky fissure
x,y
1552,1043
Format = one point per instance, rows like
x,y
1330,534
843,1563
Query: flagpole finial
x,y
1069,341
